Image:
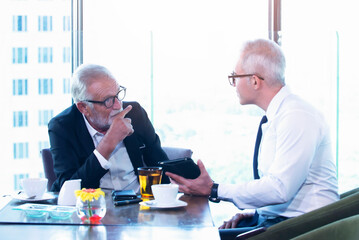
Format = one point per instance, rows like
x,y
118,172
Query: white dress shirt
x,y
121,174
295,163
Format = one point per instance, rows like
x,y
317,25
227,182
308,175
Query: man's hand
x,y
233,222
200,186
120,128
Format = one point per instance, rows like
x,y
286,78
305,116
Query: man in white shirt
x,y
296,169
101,139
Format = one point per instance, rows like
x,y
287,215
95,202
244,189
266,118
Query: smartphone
x,y
125,202
119,195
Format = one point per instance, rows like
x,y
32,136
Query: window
x,y
66,23
19,87
21,150
66,85
20,119
45,23
66,55
45,55
19,23
19,55
33,35
17,180
45,116
45,86
321,57
174,59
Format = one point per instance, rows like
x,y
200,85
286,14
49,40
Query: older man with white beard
x,y
101,139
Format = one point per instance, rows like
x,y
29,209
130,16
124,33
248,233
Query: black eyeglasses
x,y
233,76
109,102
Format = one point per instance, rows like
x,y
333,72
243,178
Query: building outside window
x,y
19,23
19,87
45,55
45,116
33,35
17,180
45,23
66,23
20,119
45,86
66,55
19,55
21,150
66,86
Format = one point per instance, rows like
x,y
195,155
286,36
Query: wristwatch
x,y
214,193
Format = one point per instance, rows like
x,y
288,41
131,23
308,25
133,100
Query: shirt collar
x,y
277,101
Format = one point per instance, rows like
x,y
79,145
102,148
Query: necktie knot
x,y
264,120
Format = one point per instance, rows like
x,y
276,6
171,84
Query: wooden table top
x,y
132,221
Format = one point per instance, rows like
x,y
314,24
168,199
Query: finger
x,y
175,177
222,226
201,166
228,224
125,111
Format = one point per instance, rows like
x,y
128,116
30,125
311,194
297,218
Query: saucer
x,y
153,204
22,196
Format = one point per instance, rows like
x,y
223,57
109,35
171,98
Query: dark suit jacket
x,y
72,146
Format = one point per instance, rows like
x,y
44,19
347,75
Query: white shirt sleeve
x,y
103,162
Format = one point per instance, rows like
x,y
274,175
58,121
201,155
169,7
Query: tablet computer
x,y
184,167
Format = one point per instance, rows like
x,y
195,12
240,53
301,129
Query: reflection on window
x,y
19,87
21,150
19,23
45,86
20,119
45,116
45,23
19,55
45,54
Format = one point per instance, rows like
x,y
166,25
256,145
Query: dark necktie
x,y
256,148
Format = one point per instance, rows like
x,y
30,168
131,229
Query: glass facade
x,y
174,58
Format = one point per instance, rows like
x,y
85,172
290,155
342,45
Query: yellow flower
x,y
89,194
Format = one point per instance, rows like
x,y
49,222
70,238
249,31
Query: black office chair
x,y
48,163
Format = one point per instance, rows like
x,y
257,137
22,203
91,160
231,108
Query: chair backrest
x,y
346,228
48,165
288,229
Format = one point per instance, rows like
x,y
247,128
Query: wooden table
x,y
123,222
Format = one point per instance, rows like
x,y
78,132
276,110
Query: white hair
x,y
83,77
265,58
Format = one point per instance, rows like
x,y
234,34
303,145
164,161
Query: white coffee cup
x,y
34,187
165,194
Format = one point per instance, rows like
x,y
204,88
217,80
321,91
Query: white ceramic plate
x,y
153,204
23,197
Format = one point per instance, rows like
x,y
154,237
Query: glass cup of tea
x,y
149,176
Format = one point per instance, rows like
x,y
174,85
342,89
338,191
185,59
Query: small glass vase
x,y
91,211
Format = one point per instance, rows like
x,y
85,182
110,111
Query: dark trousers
x,y
249,224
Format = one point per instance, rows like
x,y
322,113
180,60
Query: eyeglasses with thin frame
x,y
109,102
233,76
